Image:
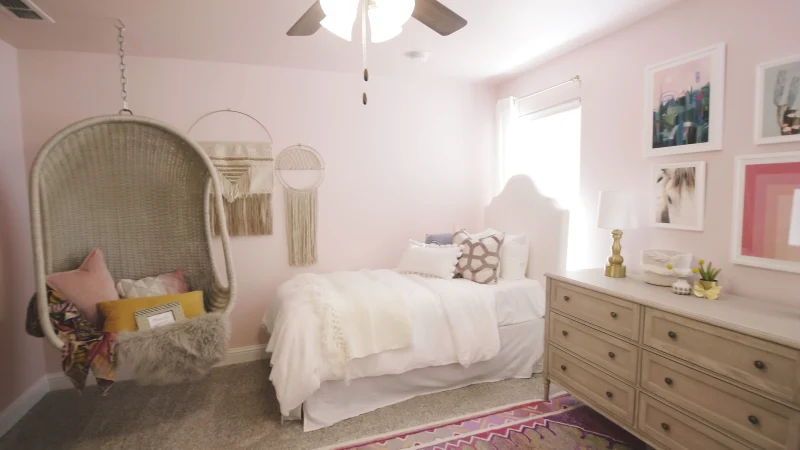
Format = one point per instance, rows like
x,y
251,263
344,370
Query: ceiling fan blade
x,y
438,17
309,22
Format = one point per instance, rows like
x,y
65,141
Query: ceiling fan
x,y
386,20
431,13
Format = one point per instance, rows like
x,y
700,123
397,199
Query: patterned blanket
x,y
84,347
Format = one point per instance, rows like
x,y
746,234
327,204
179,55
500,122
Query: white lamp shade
x,y
617,210
340,15
794,226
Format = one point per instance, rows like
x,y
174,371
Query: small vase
x,y
681,287
707,289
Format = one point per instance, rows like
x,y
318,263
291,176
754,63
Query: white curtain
x,y
506,114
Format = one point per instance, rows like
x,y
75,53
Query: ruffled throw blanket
x,y
84,347
361,313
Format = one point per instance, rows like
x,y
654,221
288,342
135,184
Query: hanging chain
x,y
365,5
123,80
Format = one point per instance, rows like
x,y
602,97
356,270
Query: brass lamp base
x,y
615,268
615,271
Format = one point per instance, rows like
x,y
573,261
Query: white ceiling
x,y
502,37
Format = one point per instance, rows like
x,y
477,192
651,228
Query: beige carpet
x,y
235,407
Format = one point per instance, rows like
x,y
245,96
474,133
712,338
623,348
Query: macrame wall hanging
x,y
301,203
246,177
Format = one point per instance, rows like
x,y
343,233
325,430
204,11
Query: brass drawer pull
x,y
672,335
665,426
611,355
564,332
760,365
668,381
753,420
563,367
613,315
566,298
610,394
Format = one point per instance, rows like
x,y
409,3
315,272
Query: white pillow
x,y
514,257
438,261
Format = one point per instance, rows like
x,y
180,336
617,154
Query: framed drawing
x,y
766,201
684,100
778,101
159,316
679,194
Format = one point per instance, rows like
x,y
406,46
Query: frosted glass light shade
x,y
340,15
617,210
387,17
794,225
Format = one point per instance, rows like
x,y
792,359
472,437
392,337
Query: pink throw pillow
x,y
86,286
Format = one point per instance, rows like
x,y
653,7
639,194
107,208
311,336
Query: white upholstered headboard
x,y
520,208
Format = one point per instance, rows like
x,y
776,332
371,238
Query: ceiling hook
x,y
120,25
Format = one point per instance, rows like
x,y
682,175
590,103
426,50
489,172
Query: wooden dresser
x,y
679,372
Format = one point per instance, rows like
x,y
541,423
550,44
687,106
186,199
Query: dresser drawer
x,y
751,417
603,390
613,314
677,431
761,364
608,352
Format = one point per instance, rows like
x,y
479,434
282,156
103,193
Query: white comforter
x,y
450,322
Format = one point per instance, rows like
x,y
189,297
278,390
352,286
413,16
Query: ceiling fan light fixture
x,y
383,33
340,16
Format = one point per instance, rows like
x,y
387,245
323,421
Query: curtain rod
x,y
575,79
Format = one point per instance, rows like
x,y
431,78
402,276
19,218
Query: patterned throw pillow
x,y
166,284
480,257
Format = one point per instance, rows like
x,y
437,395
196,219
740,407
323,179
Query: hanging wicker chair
x,y
137,189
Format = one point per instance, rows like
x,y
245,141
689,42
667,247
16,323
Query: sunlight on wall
x,y
548,149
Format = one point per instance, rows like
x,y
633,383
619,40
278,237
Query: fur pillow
x,y
480,259
180,352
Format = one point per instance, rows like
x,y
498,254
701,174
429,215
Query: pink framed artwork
x,y
767,188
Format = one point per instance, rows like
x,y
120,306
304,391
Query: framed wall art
x,y
777,101
678,196
159,316
765,203
684,101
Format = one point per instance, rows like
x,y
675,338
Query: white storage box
x,y
654,266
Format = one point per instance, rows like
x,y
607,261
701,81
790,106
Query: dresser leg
x,y
547,389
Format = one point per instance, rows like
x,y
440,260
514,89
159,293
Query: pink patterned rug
x,y
563,423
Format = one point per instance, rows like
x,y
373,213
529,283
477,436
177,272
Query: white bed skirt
x,y
522,347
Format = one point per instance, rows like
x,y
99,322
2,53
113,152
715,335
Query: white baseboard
x,y
59,381
244,354
23,404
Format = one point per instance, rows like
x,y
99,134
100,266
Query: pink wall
x,y
407,164
612,70
21,355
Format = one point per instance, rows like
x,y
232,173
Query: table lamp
x,y
615,211
794,225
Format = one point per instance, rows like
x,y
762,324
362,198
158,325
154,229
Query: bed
x,y
308,388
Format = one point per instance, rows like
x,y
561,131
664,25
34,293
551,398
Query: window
x,y
547,148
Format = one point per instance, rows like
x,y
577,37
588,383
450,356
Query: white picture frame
x,y
740,166
768,131
692,214
159,316
714,58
